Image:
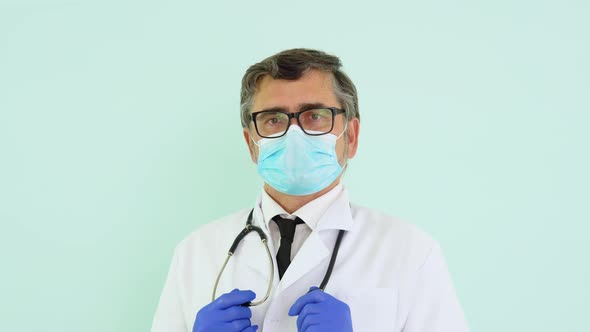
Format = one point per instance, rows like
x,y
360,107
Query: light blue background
x,y
120,134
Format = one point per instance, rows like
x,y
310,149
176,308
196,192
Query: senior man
x,y
301,123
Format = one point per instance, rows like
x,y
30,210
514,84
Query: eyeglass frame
x,y
295,115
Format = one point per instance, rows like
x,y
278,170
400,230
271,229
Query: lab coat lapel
x,y
252,272
317,247
257,260
312,253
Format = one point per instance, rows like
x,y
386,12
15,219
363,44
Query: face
x,y
314,87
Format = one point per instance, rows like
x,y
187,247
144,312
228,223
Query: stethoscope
x,y
249,228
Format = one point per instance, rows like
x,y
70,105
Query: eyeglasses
x,y
314,122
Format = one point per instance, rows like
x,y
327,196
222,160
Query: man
x,y
301,123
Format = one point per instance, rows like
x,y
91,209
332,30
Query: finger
x,y
313,328
315,296
235,297
236,325
252,328
310,308
237,312
305,321
312,288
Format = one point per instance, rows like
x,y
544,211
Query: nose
x,y
293,121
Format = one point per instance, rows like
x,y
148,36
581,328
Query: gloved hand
x,y
321,312
226,314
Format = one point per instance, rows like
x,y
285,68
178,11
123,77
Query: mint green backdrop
x,y
120,134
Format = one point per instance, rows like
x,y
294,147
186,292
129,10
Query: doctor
x,y
301,123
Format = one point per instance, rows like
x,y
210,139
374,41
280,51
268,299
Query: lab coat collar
x,y
310,213
317,247
338,215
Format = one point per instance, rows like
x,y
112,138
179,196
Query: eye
x,y
270,119
316,115
274,121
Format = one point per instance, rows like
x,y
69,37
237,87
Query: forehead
x,y
314,87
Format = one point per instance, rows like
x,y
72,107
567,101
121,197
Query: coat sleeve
x,y
435,306
169,313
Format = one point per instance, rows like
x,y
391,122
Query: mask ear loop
x,y
253,141
337,137
345,129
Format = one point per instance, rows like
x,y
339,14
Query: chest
x,y
361,278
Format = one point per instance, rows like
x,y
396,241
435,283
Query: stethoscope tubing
x,y
249,228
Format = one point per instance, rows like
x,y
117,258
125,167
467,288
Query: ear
x,y
251,146
353,136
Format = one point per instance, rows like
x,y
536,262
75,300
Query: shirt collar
x,y
310,213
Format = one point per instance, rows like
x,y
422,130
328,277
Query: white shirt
x,y
310,213
392,275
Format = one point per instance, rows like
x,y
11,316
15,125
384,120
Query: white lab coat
x,y
392,275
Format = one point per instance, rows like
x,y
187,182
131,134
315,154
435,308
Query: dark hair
x,y
291,65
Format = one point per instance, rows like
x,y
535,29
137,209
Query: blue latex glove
x,y
226,314
321,312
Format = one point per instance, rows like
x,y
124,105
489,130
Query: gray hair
x,y
291,65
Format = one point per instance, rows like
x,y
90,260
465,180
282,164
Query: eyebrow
x,y
300,107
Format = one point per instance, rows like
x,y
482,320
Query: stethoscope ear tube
x,y
239,238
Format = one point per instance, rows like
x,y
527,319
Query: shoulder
x,y
408,243
377,221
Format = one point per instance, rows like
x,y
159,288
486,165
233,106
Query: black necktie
x,y
287,229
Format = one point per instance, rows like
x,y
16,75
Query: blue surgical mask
x,y
297,163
